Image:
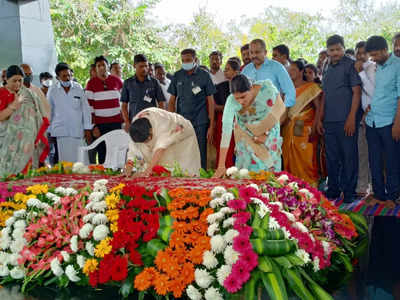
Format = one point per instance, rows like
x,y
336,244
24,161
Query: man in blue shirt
x,y
262,68
194,90
383,123
340,107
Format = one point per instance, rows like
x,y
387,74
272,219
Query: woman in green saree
x,y
22,126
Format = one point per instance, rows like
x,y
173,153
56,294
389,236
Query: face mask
x,y
66,84
188,66
28,79
47,83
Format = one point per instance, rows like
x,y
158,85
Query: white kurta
x,y
68,148
173,133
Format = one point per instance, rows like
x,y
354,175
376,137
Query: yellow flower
x,y
90,266
114,227
38,189
112,200
112,215
103,248
117,188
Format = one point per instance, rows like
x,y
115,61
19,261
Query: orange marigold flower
x,y
177,287
161,284
144,280
205,214
172,269
162,260
176,240
187,273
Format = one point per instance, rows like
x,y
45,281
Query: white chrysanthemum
x,y
89,248
228,222
18,233
3,258
209,260
44,206
300,226
85,231
286,233
290,216
232,171
71,273
20,224
60,190
254,186
100,188
65,256
306,192
223,273
279,204
100,182
230,255
215,217
20,213
99,206
100,232
74,243
273,224
326,246
80,260
217,191
88,218
203,278
16,246
70,191
99,219
230,235
263,211
56,200
4,271
11,220
212,229
13,259
283,178
316,264
32,214
17,273
193,293
265,195
303,255
5,231
244,174
80,168
294,185
217,244
213,294
56,267
227,197
213,203
96,196
227,210
5,242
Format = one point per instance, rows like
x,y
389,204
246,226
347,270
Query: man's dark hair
x,y
240,84
158,66
45,75
14,70
245,47
350,52
114,64
139,58
234,64
334,40
140,130
361,44
60,67
260,42
190,51
92,66
283,49
396,37
236,58
99,59
376,43
216,53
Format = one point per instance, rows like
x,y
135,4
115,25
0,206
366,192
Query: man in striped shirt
x,y
103,93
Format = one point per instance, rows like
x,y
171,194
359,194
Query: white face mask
x,y
47,83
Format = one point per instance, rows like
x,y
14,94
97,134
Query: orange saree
x,y
299,148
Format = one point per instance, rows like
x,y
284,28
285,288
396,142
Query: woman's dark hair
x,y
376,43
234,64
14,70
315,70
140,130
60,67
240,84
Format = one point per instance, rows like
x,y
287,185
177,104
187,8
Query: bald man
x,y
28,84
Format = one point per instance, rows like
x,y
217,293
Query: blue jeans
x,y
383,151
341,160
201,134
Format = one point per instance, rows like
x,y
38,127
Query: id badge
x,y
196,90
147,99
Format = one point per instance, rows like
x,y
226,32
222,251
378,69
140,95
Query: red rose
x,y
269,102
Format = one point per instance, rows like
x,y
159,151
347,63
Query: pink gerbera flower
x,y
241,243
237,204
241,271
232,284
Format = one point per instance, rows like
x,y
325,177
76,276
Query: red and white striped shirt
x,y
103,98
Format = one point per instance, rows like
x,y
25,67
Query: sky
x,y
181,11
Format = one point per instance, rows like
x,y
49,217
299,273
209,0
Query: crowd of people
x,y
256,113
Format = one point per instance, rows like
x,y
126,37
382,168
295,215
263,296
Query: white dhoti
x,y
68,148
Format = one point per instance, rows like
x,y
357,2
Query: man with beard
x,y
245,52
396,44
217,75
262,68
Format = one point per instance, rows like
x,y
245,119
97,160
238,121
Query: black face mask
x,y
28,79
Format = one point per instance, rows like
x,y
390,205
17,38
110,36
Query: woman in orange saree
x,y
300,141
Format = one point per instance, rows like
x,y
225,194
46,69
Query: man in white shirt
x,y
163,81
71,118
366,69
217,75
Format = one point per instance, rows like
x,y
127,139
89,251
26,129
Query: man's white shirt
x,y
367,76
